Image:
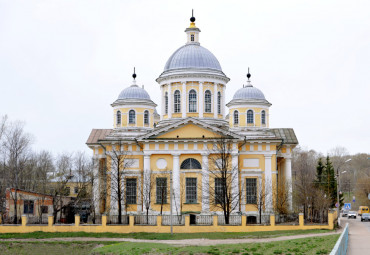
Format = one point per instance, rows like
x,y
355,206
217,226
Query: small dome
x,y
192,56
134,92
249,92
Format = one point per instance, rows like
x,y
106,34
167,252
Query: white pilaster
x,y
163,110
223,102
113,200
176,184
183,102
288,179
201,97
268,183
146,181
235,180
96,185
170,98
205,184
215,100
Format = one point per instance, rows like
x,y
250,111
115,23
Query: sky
x,y
62,63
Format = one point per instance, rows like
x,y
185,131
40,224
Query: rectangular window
x,y
219,198
191,190
131,191
76,190
28,207
161,191
251,189
44,209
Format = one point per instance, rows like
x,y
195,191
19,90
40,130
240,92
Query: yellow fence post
x,y
215,218
24,220
50,220
77,220
187,220
272,220
331,220
244,220
301,220
159,220
132,220
104,220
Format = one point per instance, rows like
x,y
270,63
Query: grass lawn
x,y
313,245
163,236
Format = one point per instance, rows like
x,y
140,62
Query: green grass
x,y
163,236
313,245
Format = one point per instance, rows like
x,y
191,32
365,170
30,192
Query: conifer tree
x,y
319,174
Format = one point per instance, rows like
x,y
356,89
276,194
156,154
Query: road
x,y
359,236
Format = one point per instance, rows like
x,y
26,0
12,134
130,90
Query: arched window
x,y
192,38
190,163
146,117
219,102
192,101
166,102
131,117
263,117
118,119
250,118
236,117
208,101
177,101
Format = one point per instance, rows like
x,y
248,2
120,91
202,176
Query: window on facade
x,y
263,117
76,190
219,197
166,102
191,190
131,190
250,118
146,117
251,189
219,102
192,101
192,38
44,209
236,117
118,117
161,190
177,101
208,101
131,117
190,163
28,206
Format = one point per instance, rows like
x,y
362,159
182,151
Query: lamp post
x,y
338,186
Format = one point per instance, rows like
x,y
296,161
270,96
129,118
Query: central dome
x,y
192,56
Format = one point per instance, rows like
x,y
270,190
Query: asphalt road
x,y
359,236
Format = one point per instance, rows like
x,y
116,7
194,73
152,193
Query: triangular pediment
x,y
189,128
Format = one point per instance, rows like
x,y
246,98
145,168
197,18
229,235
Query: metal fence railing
x,y
113,219
177,220
234,220
204,220
341,245
287,219
32,219
145,220
316,217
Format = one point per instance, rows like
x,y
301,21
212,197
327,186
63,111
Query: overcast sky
x,y
62,63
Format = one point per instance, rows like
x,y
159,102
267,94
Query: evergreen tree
x,y
319,174
331,181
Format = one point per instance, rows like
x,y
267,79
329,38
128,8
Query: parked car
x,y
352,214
365,217
345,213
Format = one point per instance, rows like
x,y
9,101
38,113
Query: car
x,y
352,214
365,217
345,213
363,209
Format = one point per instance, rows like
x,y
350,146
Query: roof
x,y
134,92
98,134
286,134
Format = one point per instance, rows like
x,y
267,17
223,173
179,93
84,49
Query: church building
x,y
176,160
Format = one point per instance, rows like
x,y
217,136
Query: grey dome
x,y
134,92
192,56
249,92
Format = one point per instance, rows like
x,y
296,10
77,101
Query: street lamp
x,y
338,186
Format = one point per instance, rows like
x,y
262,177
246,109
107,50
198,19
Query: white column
x,y
235,180
223,95
96,185
268,183
170,105
162,102
243,195
176,184
205,184
215,100
139,197
288,179
113,201
146,181
200,96
183,103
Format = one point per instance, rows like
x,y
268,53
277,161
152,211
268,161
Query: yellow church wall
x,y
180,146
155,157
176,115
243,116
161,146
188,131
139,111
192,114
193,207
195,156
154,205
190,146
208,115
260,157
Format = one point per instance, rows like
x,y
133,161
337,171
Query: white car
x,y
352,214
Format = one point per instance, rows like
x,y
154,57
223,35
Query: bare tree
x,y
220,190
282,194
147,192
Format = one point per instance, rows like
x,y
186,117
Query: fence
x,y
287,219
37,220
113,220
203,220
341,245
177,220
234,220
145,220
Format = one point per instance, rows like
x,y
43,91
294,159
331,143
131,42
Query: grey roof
x,y
249,92
287,134
98,134
134,92
192,56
